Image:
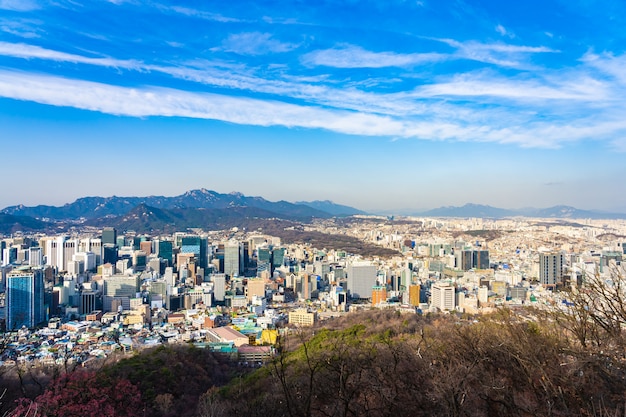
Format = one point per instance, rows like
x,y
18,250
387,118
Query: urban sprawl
x,y
82,296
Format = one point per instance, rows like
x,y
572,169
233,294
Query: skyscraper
x,y
197,246
480,259
165,251
109,235
24,298
232,259
550,268
361,279
442,296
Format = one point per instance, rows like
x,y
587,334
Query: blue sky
x,y
382,105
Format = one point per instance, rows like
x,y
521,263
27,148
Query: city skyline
x,y
376,105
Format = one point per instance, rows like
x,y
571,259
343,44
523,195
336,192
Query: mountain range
x,y
98,207
209,209
556,212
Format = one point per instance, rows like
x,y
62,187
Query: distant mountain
x,y
331,208
567,212
97,207
11,224
146,219
556,212
469,210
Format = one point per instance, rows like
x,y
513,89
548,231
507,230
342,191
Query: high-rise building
x,y
35,256
87,302
361,278
165,251
232,259
122,287
550,268
379,295
197,246
24,298
278,258
442,294
463,259
109,254
414,295
219,286
480,259
109,236
255,287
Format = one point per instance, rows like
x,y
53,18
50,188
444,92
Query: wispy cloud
x,y
533,109
255,43
504,32
573,86
19,5
200,14
501,54
20,50
351,56
24,28
155,101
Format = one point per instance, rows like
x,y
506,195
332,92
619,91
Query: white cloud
x,y
255,43
24,28
538,108
579,88
350,56
501,54
20,50
19,5
200,14
356,57
155,101
504,32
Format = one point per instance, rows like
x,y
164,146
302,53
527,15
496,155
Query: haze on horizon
x,y
378,105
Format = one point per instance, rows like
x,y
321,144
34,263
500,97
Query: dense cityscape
x,y
100,291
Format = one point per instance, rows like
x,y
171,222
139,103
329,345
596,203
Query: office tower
x,y
139,260
54,252
87,258
219,286
232,259
24,298
87,302
361,279
480,259
159,287
122,287
197,246
136,241
463,259
550,268
414,295
442,296
263,260
109,236
91,245
255,287
146,246
263,255
109,254
35,256
379,295
169,277
165,251
278,258
303,286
